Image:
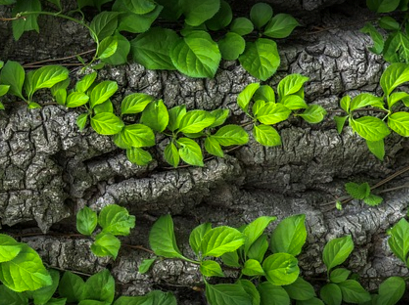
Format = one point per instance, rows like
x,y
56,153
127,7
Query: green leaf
x,y
135,103
139,7
251,291
273,113
312,301
300,290
294,102
13,75
337,250
138,156
395,75
231,259
56,2
86,221
196,55
104,107
261,58
85,83
93,302
43,295
1,106
55,301
358,191
100,287
377,38
172,155
106,244
9,248
252,268
82,120
258,249
211,268
291,84
30,21
257,106
255,229
382,6
346,103
25,271
289,236
213,147
190,152
373,200
266,135
175,116
222,18
198,11
220,116
231,135
370,128
116,220
231,46
242,26
138,135
314,114
102,92
353,292
71,287
339,275
139,300
245,96
161,298
107,47
162,238
134,23
273,295
280,26
152,49
172,9
195,121
265,93
391,290
76,99
399,239
227,294
389,23
281,269
106,123
340,121
156,116
399,122
4,89
120,56
396,97
146,265
104,24
33,105
260,14
10,297
221,240
366,99
331,294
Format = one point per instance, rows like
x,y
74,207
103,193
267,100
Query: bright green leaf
x,y
86,221
146,265
399,239
104,24
13,75
370,128
195,121
281,269
172,155
231,46
273,113
9,248
291,84
260,14
241,26
395,75
391,290
222,18
353,292
100,287
231,135
300,290
138,156
339,275
71,287
252,268
211,268
280,26
198,11
331,294
106,244
221,240
227,294
314,114
102,92
266,135
337,250
213,147
106,123
255,229
155,116
116,220
190,152
76,99
273,295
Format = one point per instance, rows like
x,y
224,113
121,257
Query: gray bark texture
x,y
49,170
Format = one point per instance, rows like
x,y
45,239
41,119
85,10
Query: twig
x,y
57,59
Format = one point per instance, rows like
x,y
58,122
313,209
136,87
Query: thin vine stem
x,y
57,59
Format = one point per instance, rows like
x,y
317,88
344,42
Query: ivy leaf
x,y
396,97
353,292
138,135
266,135
116,220
76,99
252,268
370,128
100,287
231,135
246,95
139,7
271,294
104,107
395,75
153,48
71,287
257,106
146,265
106,244
172,155
221,240
190,152
120,56
261,58
382,6
260,14
213,147
377,38
373,200
273,113
82,120
242,26
313,114
391,290
231,46
102,92
300,290
86,221
198,11
358,191
231,259
265,93
25,271
9,248
211,268
162,238
135,103
13,75
291,84
346,103
138,156
222,18
134,23
399,122
289,236
340,121
280,26
155,116
10,297
337,250
255,229
106,123
339,275
30,21
294,102
226,294
258,249
107,47
196,236
366,99
281,269
175,116
399,239
104,24
86,82
46,77
196,55
251,291
220,116
44,294
195,121
331,294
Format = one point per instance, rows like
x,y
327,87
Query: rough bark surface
x,y
49,170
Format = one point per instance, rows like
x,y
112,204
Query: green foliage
x,y
336,251
363,192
